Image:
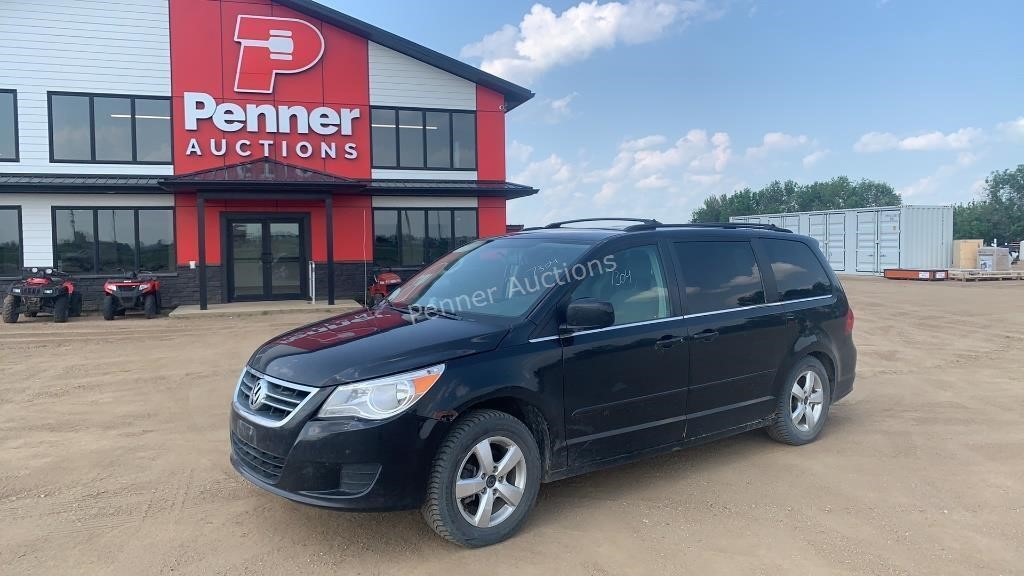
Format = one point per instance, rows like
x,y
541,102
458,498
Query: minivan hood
x,y
371,343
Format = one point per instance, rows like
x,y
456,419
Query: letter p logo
x,y
272,46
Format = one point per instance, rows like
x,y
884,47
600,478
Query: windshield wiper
x,y
427,311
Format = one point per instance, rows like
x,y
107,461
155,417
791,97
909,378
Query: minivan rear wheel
x,y
803,404
484,480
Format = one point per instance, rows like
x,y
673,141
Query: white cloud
x,y
544,39
653,182
519,152
959,140
941,186
648,176
559,109
777,141
1013,128
813,158
962,139
694,150
562,104
876,142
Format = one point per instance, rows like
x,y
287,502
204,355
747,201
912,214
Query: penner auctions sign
x,y
259,80
229,117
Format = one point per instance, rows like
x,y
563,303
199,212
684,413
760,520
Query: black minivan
x,y
529,358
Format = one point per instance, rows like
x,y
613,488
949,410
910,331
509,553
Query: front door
x,y
266,258
625,385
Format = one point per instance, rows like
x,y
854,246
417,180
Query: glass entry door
x,y
266,258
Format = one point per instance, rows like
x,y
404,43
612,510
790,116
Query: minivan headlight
x,y
383,397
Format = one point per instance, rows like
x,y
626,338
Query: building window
x,y
8,126
423,139
114,240
416,237
10,241
110,129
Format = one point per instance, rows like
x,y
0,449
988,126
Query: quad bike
x,y
132,292
384,282
42,290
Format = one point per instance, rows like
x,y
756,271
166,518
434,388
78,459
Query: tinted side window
x,y
798,273
719,275
635,286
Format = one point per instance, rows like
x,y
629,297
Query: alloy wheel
x,y
806,401
491,482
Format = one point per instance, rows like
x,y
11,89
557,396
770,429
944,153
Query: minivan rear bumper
x,y
346,464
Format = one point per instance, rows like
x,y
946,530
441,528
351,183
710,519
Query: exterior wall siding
x,y
80,46
391,174
398,80
37,218
424,202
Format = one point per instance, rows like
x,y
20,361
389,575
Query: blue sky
x,y
645,107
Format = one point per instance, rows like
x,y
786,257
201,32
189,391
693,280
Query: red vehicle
x,y
384,282
133,292
42,290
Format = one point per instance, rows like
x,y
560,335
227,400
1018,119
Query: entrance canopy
x,y
261,174
269,179
264,178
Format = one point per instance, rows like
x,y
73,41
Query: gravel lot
x,y
114,460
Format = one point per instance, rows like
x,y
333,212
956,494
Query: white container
x,y
869,240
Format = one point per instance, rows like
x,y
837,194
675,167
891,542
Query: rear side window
x,y
798,272
719,275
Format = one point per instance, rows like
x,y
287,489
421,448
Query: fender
x,y
815,342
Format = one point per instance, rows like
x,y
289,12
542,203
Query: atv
x,y
132,292
384,282
42,290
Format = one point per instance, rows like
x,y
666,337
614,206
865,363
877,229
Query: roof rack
x,y
643,221
727,225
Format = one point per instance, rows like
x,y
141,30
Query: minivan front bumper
x,y
345,463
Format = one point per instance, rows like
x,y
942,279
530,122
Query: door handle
x,y
668,341
706,335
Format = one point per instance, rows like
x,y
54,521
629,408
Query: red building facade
x,y
290,138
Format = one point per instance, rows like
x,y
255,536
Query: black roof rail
x,y
643,221
726,225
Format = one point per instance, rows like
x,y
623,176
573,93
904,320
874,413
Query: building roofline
x,y
514,93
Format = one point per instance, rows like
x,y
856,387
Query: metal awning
x,y
503,189
80,183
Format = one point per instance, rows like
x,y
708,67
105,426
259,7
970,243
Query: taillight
x,y
849,320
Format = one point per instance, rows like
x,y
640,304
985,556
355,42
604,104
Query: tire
x,y
109,307
794,425
10,309
150,306
61,307
76,305
458,458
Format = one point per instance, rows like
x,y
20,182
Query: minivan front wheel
x,y
484,480
803,404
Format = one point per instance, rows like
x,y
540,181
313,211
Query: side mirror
x,y
588,314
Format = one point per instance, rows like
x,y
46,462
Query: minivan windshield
x,y
501,277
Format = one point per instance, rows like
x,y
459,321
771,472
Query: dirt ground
x,y
114,460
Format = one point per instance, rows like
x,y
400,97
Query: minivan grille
x,y
260,462
279,400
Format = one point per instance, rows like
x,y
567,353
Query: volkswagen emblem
x,y
258,394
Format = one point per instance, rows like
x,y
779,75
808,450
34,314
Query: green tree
x,y
789,196
1000,214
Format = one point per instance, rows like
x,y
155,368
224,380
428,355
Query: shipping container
x,y
869,240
